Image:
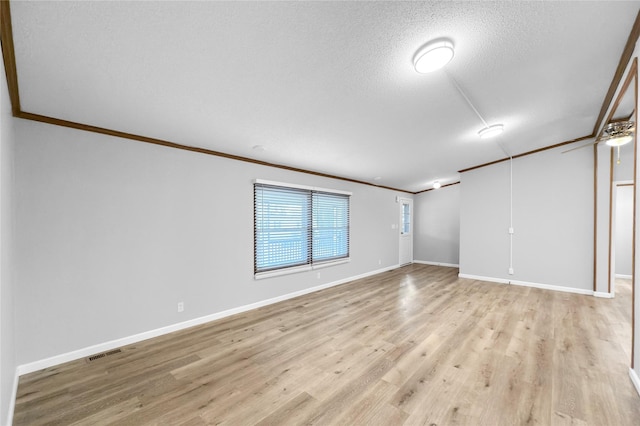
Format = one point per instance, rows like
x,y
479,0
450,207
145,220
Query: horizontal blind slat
x,y
294,227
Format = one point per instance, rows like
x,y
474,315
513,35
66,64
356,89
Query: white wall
x,y
552,220
112,234
7,330
624,170
635,372
623,213
437,226
623,230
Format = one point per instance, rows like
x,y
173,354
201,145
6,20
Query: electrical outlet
x,y
510,271
318,275
379,261
180,306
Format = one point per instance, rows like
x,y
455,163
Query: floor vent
x,y
102,355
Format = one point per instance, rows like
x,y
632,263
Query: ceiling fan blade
x,y
581,146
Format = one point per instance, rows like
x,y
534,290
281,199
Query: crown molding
x,y
524,154
434,189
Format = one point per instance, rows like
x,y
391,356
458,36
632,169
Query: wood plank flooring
x,y
413,346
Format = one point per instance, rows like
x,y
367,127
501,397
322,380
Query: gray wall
x,y
623,210
7,330
112,234
484,221
623,230
437,226
552,219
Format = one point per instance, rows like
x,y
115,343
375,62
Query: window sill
x,y
297,269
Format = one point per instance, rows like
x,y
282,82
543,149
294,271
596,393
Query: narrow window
x,y
406,218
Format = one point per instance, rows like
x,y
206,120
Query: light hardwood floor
x,y
413,346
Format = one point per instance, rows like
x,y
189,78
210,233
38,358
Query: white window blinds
x,y
330,226
296,226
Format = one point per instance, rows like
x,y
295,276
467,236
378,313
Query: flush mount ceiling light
x,y
491,131
436,184
433,56
618,133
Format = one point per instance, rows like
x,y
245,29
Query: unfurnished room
x,y
319,212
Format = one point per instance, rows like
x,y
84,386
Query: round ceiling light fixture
x,y
433,56
491,131
436,184
618,133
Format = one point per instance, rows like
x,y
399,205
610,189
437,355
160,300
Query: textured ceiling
x,y
325,86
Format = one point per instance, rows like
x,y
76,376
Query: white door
x,y
406,231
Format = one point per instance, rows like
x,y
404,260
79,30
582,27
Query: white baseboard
x,y
603,294
481,278
14,395
426,262
624,277
528,284
552,287
113,344
635,379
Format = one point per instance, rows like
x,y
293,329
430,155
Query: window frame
x,y
312,265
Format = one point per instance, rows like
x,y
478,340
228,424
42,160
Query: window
x,y
298,227
406,218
